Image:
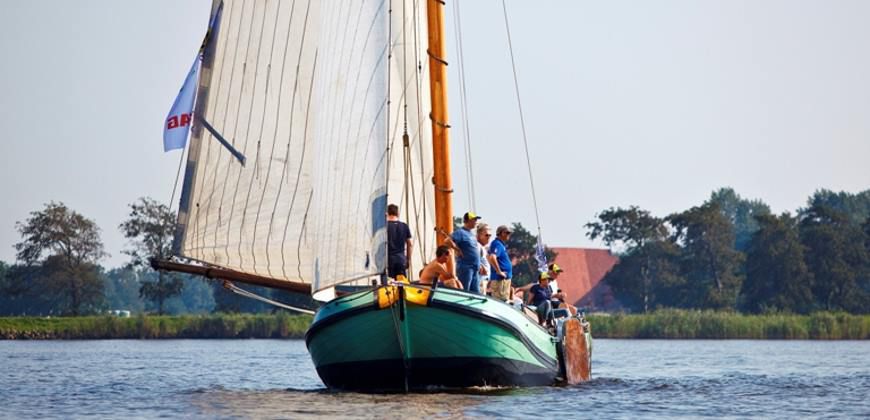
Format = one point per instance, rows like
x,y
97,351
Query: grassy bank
x,y
280,325
673,323
660,324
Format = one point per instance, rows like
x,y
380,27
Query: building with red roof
x,y
584,268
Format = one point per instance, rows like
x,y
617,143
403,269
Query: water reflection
x,y
328,404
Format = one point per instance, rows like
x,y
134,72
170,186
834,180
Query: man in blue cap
x,y
464,241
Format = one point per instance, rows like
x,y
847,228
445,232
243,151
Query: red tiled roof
x,y
581,280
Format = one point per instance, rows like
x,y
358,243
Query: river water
x,y
275,379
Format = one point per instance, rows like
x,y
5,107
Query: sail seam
x,y
256,169
275,136
247,134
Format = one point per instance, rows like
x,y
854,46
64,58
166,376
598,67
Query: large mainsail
x,y
317,96
256,91
370,66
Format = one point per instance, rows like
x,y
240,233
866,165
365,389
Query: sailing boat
x,y
340,107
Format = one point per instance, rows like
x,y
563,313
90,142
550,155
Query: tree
x,y
150,229
776,276
855,207
25,292
837,256
741,213
73,248
708,259
647,257
522,247
122,289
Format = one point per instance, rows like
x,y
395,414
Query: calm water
x,y
275,379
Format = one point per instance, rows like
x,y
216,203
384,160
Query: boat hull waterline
x,y
415,338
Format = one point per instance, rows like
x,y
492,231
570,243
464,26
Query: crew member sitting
x,y
437,271
541,296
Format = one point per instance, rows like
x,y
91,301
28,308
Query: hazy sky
x,y
652,103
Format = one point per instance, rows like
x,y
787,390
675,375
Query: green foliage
x,y
821,259
647,274
648,277
522,247
741,213
196,297
838,257
855,207
68,276
777,279
281,325
122,290
150,228
631,228
708,260
229,302
683,324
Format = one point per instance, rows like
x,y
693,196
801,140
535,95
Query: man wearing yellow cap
x,y
553,270
541,296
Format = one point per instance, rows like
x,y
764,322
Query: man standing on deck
x,y
502,269
464,241
487,260
399,243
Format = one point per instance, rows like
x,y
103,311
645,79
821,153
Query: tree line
x,y
57,271
731,253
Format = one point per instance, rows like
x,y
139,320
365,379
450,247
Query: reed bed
x,y
662,324
280,325
686,324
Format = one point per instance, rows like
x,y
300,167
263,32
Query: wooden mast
x,y
440,133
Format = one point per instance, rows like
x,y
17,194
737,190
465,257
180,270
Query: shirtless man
x,y
437,270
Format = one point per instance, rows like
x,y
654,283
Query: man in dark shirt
x,y
399,244
541,298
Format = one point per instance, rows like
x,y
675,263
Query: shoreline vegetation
x,y
662,324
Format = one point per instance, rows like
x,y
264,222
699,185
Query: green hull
x,y
452,339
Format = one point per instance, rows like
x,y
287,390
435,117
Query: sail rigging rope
x,y
522,119
463,102
242,292
177,176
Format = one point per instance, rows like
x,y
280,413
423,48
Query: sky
x,y
647,103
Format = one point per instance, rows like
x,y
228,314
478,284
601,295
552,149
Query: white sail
x,y
372,62
256,92
411,171
317,96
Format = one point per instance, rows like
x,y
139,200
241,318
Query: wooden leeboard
x,y
578,361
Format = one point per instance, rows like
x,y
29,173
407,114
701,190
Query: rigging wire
x,y
463,105
522,119
406,145
422,207
177,176
248,294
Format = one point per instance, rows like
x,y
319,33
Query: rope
x,y
177,176
522,119
242,292
463,102
406,143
